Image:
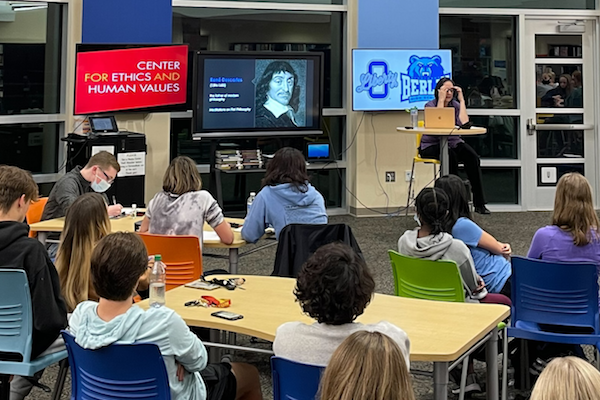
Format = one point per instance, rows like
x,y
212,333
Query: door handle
x,y
532,127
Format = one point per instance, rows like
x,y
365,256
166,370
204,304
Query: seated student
x,y
18,251
286,197
86,223
334,287
573,235
567,378
118,262
491,257
429,241
367,366
97,176
182,207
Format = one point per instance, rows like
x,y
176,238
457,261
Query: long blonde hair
x,y
86,222
367,366
567,378
182,176
574,208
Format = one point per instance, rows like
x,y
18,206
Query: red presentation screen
x,y
126,79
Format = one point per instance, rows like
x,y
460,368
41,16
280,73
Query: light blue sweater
x,y
161,326
282,205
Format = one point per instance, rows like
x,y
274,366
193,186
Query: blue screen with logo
x,y
385,80
318,150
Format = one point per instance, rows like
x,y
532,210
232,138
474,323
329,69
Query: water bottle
x,y
133,210
414,117
158,281
249,202
510,383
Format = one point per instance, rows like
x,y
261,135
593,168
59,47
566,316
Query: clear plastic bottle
x,y
133,210
158,282
249,202
510,383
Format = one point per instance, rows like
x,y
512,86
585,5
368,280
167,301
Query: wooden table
x,y
439,332
127,224
444,134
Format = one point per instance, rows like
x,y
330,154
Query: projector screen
x,y
387,80
249,93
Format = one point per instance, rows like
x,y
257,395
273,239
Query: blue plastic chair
x,y
109,372
552,293
15,332
293,380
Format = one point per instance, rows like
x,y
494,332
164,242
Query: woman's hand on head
x,y
442,94
459,93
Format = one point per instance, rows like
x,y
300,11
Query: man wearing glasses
x,y
97,176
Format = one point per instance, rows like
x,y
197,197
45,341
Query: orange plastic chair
x,y
35,213
417,159
181,254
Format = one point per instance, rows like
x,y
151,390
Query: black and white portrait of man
x,y
279,98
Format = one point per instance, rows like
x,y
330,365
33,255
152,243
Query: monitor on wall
x,y
392,80
257,94
132,78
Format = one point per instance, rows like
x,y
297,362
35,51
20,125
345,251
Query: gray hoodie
x,y
443,247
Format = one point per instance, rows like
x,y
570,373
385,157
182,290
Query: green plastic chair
x,y
415,278
439,280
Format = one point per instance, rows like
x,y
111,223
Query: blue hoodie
x,y
161,326
282,205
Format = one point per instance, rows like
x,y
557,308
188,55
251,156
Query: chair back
x,y
34,214
297,242
15,313
110,373
293,380
182,256
554,293
426,279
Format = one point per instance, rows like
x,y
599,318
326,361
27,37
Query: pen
x,y
114,200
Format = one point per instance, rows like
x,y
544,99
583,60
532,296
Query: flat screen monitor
x,y
111,78
257,94
392,80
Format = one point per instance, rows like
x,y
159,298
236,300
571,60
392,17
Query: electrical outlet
x,y
407,175
390,176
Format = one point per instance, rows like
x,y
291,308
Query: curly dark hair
x,y
263,84
455,189
335,285
432,209
287,166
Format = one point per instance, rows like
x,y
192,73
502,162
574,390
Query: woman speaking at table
x,y
449,95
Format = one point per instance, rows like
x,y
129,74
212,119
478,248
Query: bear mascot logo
x,y
421,77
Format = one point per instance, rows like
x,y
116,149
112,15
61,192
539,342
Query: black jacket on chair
x,y
297,242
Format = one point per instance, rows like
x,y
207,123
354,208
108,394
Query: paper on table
x,y
210,235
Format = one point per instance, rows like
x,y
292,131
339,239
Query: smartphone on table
x,y
227,315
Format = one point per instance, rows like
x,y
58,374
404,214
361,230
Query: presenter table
x,y
439,332
127,224
444,134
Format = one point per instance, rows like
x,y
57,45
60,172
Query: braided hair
x,y
432,208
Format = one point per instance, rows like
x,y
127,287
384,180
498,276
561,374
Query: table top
x,y
475,130
438,331
127,224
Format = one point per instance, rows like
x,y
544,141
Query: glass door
x,y
558,107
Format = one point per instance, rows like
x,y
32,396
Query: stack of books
x,y
238,159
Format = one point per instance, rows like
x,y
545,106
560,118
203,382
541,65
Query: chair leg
x,y
4,387
463,379
412,171
60,379
504,363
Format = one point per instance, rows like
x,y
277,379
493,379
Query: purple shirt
x,y
454,140
551,243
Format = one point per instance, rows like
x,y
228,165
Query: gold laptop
x,y
439,118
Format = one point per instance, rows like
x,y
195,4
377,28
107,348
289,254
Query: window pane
x,y
30,56
500,185
254,30
33,147
558,46
559,85
483,63
544,4
501,139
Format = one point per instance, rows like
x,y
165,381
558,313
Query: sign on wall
x,y
385,80
126,79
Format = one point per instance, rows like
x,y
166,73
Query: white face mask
x,y
100,187
417,220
